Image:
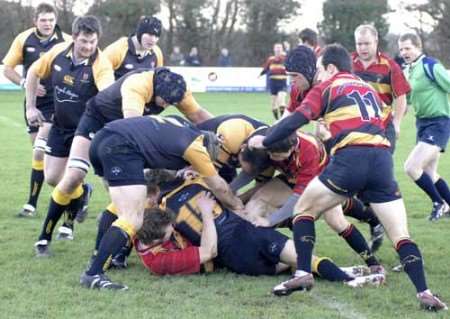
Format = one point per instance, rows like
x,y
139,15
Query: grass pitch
x,y
32,288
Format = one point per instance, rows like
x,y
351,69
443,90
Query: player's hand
x,y
40,90
206,203
34,116
188,174
256,142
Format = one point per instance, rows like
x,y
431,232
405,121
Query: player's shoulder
x,y
24,35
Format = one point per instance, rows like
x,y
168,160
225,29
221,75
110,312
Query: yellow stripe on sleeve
x,y
197,155
136,91
116,52
15,53
102,71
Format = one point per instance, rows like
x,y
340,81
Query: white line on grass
x,y
344,309
9,121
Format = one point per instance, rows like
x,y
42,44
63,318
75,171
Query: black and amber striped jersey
x,y
73,84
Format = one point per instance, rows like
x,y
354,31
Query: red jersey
x,y
174,257
306,162
350,107
274,67
296,98
385,76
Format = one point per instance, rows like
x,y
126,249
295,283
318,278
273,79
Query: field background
x,y
49,288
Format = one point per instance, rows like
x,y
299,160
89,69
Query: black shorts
x,y
277,86
366,171
247,249
434,131
59,141
47,110
116,159
91,122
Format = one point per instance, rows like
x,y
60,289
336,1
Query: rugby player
x,y
139,50
77,71
274,68
26,48
361,163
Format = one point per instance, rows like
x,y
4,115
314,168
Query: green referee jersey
x,y
429,99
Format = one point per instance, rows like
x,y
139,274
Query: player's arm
x,y
103,72
40,69
442,77
115,52
400,105
400,88
192,110
13,58
208,242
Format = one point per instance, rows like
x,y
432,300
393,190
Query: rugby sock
x,y
412,262
443,189
426,184
69,218
355,208
36,181
76,200
106,220
326,269
282,108
58,204
356,241
275,114
304,239
112,242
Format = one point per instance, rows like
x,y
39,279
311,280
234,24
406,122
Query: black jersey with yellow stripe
x,y
124,57
73,84
165,143
233,130
134,91
28,47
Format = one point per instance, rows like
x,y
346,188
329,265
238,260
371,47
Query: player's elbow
x,y
207,253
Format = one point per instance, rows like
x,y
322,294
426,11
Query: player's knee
x,y
51,177
412,169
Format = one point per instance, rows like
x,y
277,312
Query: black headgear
x,y
150,25
169,86
302,60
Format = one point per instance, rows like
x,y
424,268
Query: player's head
x,y
44,18
410,47
282,149
278,49
148,31
86,32
335,59
253,161
157,226
366,42
308,37
301,66
212,144
168,87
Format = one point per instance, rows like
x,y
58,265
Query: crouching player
x,y
204,229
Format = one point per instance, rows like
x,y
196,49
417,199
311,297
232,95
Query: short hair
x,y
308,35
414,38
337,55
154,225
283,145
44,8
257,158
366,28
87,24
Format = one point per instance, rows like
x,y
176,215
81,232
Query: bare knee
x,y
51,177
412,169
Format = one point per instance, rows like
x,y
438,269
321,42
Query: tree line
x,y
248,28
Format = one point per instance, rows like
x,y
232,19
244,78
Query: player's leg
x,y
316,199
334,217
441,185
422,156
37,170
273,100
281,101
271,196
393,216
74,174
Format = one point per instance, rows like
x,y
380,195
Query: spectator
x,y
286,47
193,59
176,57
224,58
